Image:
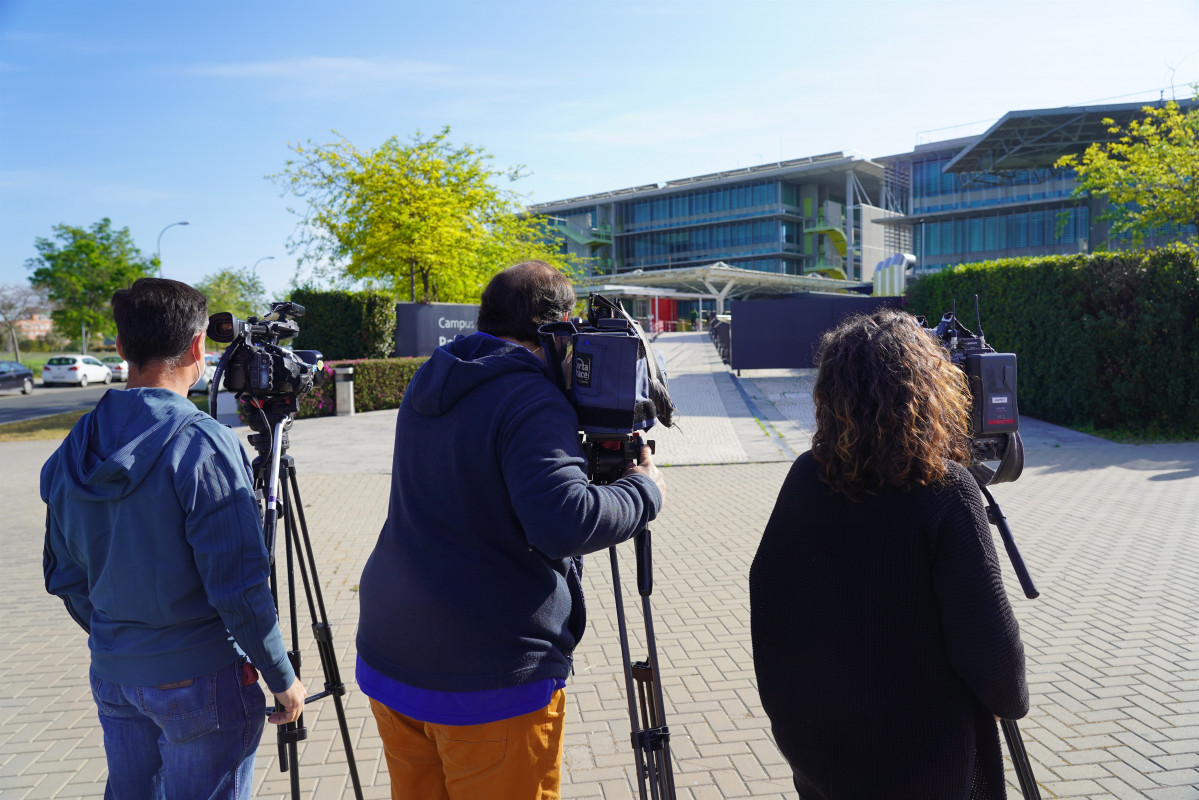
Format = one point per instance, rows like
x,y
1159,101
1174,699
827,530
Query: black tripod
x,y
1011,731
275,478
606,460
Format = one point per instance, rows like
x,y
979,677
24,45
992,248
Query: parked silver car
x,y
119,367
77,369
201,385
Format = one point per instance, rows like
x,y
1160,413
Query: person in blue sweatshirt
x,y
154,543
471,603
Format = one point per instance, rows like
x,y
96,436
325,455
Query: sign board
x,y
782,333
423,327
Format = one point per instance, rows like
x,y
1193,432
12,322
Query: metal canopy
x,y
717,280
1037,138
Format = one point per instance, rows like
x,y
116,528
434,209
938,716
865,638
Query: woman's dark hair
x,y
524,297
891,408
157,318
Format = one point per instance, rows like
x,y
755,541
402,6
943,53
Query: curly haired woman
x,y
884,644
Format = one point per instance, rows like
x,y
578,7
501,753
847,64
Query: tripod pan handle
x,y
645,567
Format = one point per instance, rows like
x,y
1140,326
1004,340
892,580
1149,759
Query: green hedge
x,y
346,324
1108,341
379,383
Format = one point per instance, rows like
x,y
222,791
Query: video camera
x,y
267,378
254,363
615,380
994,419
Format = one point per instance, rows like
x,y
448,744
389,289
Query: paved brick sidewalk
x,y
1110,532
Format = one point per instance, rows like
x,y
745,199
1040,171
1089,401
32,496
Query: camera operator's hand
x,y
292,702
647,468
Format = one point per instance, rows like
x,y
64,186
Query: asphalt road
x,y
45,401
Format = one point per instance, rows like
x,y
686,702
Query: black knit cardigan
x,y
884,644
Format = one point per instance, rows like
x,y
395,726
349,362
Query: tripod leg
x,y
291,734
322,631
1015,746
628,674
655,715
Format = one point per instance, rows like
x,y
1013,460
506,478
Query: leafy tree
x,y
79,271
1149,174
239,290
16,303
422,219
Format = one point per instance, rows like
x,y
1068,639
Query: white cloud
x,y
326,68
335,77
67,183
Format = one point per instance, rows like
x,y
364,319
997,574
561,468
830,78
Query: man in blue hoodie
x,y
154,543
472,603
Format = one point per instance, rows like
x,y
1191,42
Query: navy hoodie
x,y
154,543
473,583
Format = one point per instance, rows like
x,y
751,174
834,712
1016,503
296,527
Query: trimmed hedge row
x,y
346,324
379,383
1109,340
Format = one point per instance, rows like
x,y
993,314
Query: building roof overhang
x,y
828,169
1037,138
714,280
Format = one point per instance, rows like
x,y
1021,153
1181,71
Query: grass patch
x,y
56,426
201,401
1125,436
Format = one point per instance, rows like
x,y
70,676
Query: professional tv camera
x,y
268,380
616,382
254,363
994,419
994,436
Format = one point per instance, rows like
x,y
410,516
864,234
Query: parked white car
x,y
77,369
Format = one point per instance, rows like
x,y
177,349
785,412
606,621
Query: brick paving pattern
x,y
1110,533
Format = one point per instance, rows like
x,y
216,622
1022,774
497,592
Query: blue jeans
x,y
193,741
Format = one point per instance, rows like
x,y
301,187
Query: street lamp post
x,y
254,269
159,248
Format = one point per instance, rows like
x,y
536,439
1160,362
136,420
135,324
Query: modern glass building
x,y
798,217
998,194
975,198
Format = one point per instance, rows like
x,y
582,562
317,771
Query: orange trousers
x,y
510,759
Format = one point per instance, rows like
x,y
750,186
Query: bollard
x,y
343,379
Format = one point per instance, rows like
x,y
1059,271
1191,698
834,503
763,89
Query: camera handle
x,y
996,517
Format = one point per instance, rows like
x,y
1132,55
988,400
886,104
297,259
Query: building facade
x,y
36,327
999,195
799,217
976,198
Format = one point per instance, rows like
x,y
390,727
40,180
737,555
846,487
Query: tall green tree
x,y
423,219
234,289
1149,173
79,269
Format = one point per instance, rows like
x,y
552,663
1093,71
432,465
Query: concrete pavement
x,y
1110,533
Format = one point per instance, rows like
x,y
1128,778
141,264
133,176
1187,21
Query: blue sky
x,y
154,112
